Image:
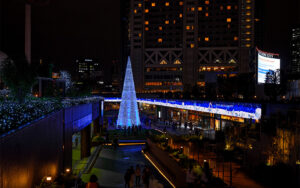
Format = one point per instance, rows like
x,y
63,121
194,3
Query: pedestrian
x,y
190,178
146,176
137,175
93,182
127,178
131,181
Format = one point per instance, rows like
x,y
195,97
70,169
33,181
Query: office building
x,y
188,42
295,50
90,70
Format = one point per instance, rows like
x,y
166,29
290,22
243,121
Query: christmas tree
x,y
128,113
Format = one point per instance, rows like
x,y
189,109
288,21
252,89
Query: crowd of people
x,y
133,177
133,130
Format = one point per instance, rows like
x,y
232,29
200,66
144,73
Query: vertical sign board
x,y
266,62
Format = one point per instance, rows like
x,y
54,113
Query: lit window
x,y
228,7
177,62
206,39
180,3
248,33
147,28
180,15
140,34
187,27
207,2
163,62
174,21
146,22
206,14
146,10
200,8
236,38
248,45
248,26
159,40
192,27
192,45
232,61
153,4
248,13
221,8
167,22
248,20
228,20
192,9
167,4
140,5
135,11
248,1
248,39
248,7
160,28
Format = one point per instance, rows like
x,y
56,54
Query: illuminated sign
x,y
241,110
267,62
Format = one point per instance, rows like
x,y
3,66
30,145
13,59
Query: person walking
x,y
146,176
137,175
93,182
190,178
127,178
131,180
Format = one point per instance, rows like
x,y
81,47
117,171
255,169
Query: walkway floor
x,y
111,166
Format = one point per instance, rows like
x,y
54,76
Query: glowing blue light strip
x,y
241,110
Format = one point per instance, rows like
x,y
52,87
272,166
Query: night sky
x,y
65,30
68,29
280,16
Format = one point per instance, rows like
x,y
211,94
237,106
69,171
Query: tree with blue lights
x,y
128,113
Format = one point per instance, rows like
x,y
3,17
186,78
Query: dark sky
x,y
65,30
279,17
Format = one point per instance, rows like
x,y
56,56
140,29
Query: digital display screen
x,y
266,63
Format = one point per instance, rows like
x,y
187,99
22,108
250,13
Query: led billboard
x,y
267,62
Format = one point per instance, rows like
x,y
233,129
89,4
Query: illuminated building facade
x,y
295,47
187,42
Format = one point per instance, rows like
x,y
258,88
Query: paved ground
x,y
111,166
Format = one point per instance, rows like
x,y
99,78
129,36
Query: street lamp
x,y
68,170
49,178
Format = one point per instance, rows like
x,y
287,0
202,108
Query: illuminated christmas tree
x,y
128,113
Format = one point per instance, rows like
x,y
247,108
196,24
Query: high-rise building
x,y
90,70
187,42
295,50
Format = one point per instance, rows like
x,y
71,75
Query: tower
x,y
128,113
189,42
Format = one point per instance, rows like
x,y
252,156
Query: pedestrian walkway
x,y
111,166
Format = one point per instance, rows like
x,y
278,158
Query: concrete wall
x,y
41,148
32,153
170,167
